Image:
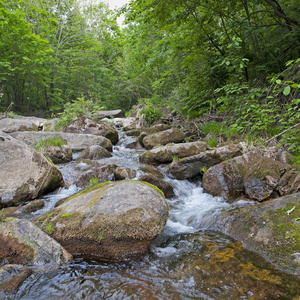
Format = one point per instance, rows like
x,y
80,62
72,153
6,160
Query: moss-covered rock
x,y
114,220
271,228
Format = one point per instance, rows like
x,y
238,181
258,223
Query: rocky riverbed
x,y
251,196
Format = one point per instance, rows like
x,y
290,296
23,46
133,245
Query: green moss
x,y
66,215
155,187
87,190
49,228
286,229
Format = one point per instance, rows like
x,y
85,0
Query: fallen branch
x,y
281,133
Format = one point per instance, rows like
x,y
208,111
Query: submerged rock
x,y
271,229
24,174
11,278
33,206
173,135
110,220
22,242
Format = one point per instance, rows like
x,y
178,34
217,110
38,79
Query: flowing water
x,y
186,261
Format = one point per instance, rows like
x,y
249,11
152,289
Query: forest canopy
x,y
239,58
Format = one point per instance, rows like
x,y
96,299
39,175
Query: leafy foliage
x,y
151,113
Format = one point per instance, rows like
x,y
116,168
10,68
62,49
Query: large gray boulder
x,y
166,154
256,176
24,174
75,141
192,166
271,228
85,125
111,220
173,135
9,125
22,242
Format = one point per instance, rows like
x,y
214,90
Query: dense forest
x,y
236,58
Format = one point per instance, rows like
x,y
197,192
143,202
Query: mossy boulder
x,y
173,135
108,220
11,278
192,166
166,154
271,228
24,174
88,126
22,242
256,176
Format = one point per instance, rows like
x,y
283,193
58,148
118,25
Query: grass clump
x,y
52,141
49,228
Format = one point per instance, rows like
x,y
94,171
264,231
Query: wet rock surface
x,y
22,242
271,229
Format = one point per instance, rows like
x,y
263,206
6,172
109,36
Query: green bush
x,y
151,113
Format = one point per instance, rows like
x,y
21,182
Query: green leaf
x,y
287,90
278,81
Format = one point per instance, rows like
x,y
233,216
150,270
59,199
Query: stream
x,y
186,261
